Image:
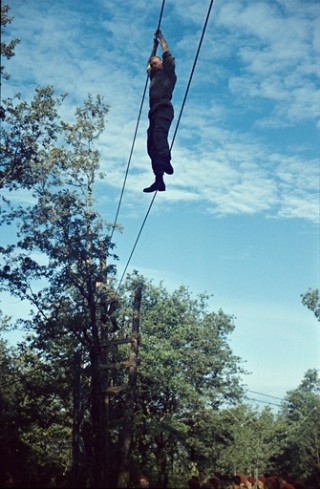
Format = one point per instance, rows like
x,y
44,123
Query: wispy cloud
x,y
256,74
238,214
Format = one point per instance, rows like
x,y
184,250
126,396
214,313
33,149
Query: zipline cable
x,y
176,129
192,71
134,137
161,13
129,161
136,241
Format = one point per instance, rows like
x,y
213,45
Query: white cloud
x,y
256,73
245,146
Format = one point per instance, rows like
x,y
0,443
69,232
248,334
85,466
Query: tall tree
x,y
35,424
301,413
254,439
58,261
186,368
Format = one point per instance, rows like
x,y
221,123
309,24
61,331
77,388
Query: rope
x,y
129,161
161,13
134,137
176,129
136,242
192,71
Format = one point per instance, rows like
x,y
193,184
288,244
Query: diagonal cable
x,y
134,138
192,71
137,239
176,129
129,161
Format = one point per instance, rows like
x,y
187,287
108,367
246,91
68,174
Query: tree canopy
x,y
109,383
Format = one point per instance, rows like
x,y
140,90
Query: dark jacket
x,y
162,82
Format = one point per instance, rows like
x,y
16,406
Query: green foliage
x,y
35,434
301,416
7,49
60,228
58,261
186,372
30,131
311,299
254,440
59,425
181,422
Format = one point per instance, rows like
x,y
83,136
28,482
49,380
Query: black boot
x,y
157,185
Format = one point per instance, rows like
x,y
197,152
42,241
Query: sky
x,y
240,216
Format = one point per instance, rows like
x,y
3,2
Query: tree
x,y
254,440
59,260
30,130
301,414
186,368
35,426
7,49
311,299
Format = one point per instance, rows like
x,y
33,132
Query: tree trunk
x,y
99,409
128,428
162,461
75,479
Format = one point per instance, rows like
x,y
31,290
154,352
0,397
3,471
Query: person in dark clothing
x,y
162,82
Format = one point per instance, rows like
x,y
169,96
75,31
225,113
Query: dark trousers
x,y
157,142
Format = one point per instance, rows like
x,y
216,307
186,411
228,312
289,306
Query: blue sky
x,y
240,217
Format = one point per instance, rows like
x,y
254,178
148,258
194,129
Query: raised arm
x,y
153,53
158,35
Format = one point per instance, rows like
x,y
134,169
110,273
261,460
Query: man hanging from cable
x,y
162,82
